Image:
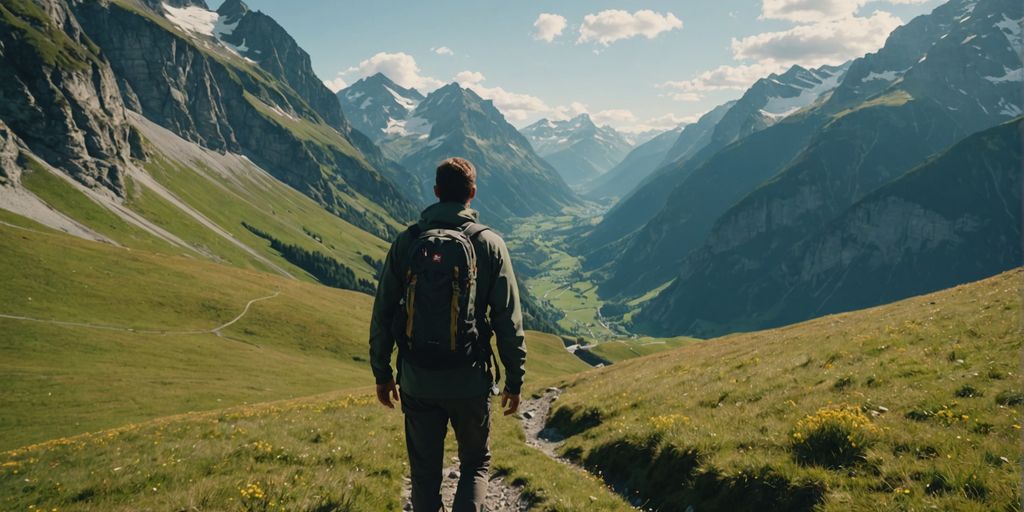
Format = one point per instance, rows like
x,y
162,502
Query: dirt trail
x,y
501,497
215,330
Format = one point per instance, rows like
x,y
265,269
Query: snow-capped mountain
x,y
382,109
514,180
577,148
772,98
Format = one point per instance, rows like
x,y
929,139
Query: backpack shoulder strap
x,y
414,229
473,229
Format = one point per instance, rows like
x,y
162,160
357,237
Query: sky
x,y
633,65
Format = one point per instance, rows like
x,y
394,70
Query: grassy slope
x,y
302,454
61,379
720,414
615,350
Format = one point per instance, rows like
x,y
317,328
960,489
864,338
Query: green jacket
x,y
496,290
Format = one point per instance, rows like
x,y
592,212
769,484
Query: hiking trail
x,y
501,497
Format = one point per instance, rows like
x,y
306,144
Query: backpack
x,y
436,326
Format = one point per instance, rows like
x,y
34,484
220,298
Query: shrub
x,y
967,391
1010,397
833,437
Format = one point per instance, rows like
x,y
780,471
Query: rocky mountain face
x,y
513,180
863,143
954,219
638,164
380,108
577,148
59,95
767,102
235,81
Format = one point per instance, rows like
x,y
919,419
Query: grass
x,y
62,380
616,350
722,415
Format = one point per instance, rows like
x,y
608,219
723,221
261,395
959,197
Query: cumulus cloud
x,y
548,26
399,67
827,42
722,78
515,106
563,112
809,11
442,50
336,84
611,25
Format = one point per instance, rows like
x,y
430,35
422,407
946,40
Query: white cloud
x,y
548,26
399,67
614,117
827,42
337,84
803,11
514,106
611,25
722,78
563,112
442,50
808,11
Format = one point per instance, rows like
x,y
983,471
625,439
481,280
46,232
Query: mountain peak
x,y
233,9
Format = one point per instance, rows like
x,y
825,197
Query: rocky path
x,y
501,497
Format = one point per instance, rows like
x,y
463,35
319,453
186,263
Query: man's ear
x,y
437,192
472,192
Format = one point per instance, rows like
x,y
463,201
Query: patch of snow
x,y
1009,75
418,125
191,19
888,76
965,18
1009,109
437,142
406,103
923,58
1013,30
779,106
776,116
354,95
366,103
968,39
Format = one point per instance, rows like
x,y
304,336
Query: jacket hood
x,y
447,214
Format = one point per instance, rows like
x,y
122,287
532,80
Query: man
x,y
445,376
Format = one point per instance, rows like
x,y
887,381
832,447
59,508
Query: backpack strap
x,y
472,229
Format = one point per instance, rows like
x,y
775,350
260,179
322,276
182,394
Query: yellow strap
x,y
455,307
410,308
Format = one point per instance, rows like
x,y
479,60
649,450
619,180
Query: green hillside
x,y
911,406
122,335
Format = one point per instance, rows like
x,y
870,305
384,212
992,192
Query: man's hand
x,y
388,392
511,401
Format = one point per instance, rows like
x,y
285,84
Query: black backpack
x,y
436,326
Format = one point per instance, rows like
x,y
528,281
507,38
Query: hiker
x,y
446,286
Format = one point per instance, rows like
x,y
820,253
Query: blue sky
x,y
634,65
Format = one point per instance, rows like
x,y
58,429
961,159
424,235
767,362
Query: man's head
x,y
456,181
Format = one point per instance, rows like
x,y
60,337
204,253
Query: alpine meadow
x,y
761,255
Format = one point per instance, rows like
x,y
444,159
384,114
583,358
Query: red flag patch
x,y
436,258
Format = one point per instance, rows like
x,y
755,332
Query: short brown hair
x,y
455,180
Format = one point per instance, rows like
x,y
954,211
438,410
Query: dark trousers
x,y
426,425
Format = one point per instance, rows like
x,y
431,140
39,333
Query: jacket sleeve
x,y
507,319
382,343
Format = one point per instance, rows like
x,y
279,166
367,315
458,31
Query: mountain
x,y
695,136
954,219
513,180
577,148
379,107
638,164
871,134
230,81
768,101
644,200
